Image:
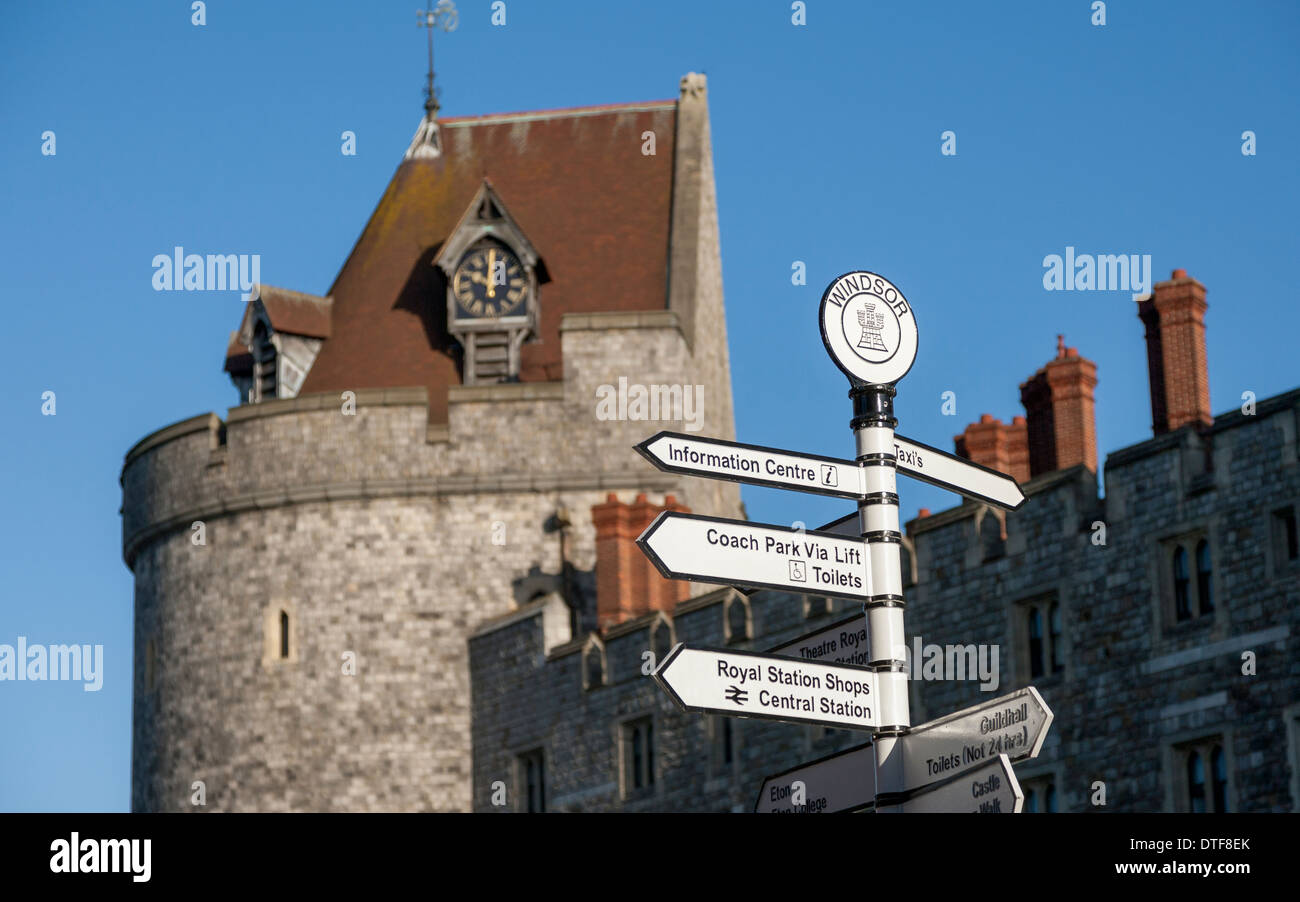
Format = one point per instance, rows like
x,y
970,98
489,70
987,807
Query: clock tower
x,y
492,273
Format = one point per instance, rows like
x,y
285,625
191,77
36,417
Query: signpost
x,y
948,471
844,642
991,789
1014,725
674,452
717,550
848,674
748,684
844,781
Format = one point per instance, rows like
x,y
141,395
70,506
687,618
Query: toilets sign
x,y
717,550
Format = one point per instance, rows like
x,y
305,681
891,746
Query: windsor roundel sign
x,y
868,328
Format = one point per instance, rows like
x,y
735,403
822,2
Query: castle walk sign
x,y
852,674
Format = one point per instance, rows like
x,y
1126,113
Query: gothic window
x,y
992,538
1203,769
1188,580
661,640
1040,795
1204,592
737,620
638,742
593,666
1042,637
1182,595
1285,542
532,777
1035,641
279,624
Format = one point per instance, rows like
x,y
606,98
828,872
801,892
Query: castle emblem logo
x,y
868,328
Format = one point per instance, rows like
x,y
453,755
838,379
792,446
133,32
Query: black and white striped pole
x,y
868,328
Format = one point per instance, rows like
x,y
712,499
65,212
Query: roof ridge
x,y
592,110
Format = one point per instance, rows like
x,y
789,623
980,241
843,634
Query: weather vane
x,y
442,16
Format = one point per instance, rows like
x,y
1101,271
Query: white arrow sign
x,y
1014,725
840,643
674,452
845,526
844,781
948,471
991,789
748,684
716,550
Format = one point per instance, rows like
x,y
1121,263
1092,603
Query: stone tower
x,y
309,569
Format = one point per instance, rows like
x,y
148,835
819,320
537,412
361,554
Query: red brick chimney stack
x,y
1061,412
1174,317
627,584
997,445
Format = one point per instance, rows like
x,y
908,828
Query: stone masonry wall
x,y
377,534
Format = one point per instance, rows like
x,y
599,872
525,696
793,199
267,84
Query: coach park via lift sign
x,y
846,675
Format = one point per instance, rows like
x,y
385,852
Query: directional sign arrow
x,y
844,642
716,550
715,458
748,684
948,471
1014,725
844,781
991,789
847,526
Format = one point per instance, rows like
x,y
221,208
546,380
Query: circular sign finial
x,y
868,328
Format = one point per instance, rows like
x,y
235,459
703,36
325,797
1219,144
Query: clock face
x,y
490,282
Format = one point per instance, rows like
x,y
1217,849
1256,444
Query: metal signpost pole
x,y
870,333
873,428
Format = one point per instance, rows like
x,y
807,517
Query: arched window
x,y
1196,782
737,621
595,667
991,538
1220,770
284,634
1182,597
1035,641
1204,590
661,642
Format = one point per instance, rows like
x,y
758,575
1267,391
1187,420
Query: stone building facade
x,y
1159,621
309,568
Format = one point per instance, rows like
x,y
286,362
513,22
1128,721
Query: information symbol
x,y
797,573
829,476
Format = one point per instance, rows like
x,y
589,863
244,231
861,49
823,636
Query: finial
x,y
442,16
1060,345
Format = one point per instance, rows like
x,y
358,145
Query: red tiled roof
x,y
296,313
596,209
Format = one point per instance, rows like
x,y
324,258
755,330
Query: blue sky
x,y
225,138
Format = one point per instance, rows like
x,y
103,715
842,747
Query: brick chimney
x,y
627,584
1000,446
1174,316
1060,412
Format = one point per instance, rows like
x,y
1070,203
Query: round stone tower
x,y
308,571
